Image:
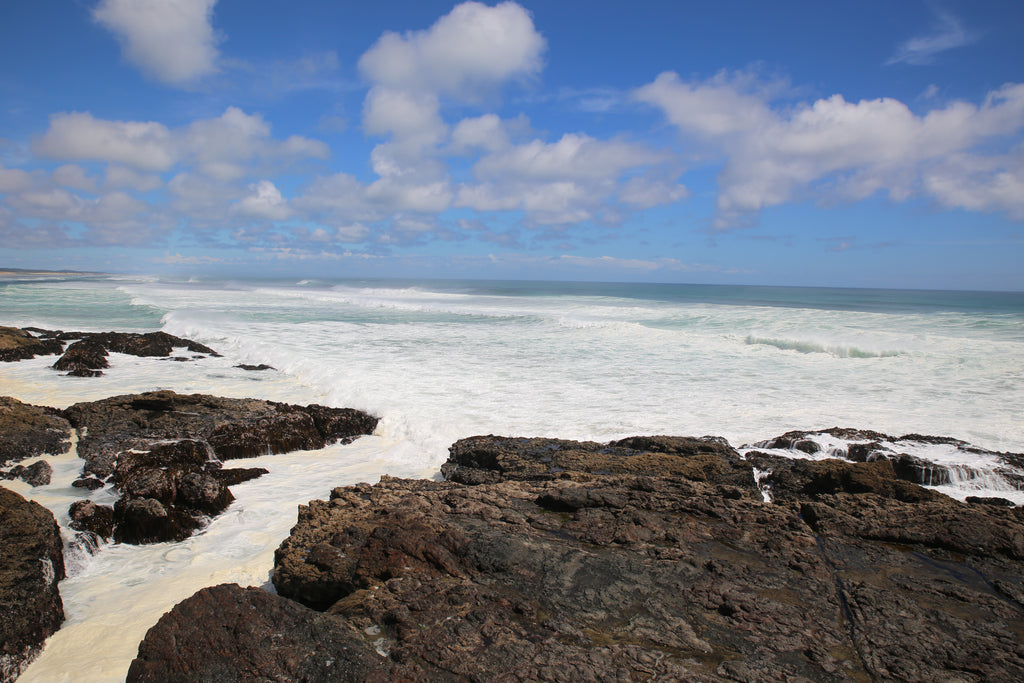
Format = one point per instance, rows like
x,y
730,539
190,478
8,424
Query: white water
x,y
442,365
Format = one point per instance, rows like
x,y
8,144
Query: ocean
x,y
443,360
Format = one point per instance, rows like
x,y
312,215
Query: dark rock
x,y
37,474
17,344
228,633
235,428
161,449
203,493
990,500
658,577
31,565
650,558
255,368
236,475
85,358
483,459
147,520
88,516
89,483
28,431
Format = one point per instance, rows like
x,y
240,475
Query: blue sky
x,y
801,143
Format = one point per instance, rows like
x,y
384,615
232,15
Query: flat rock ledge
x,y
163,452
31,564
86,355
651,558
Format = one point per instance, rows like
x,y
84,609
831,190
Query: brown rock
x,y
31,564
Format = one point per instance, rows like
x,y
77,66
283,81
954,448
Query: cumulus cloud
x,y
223,148
264,203
170,40
947,33
472,47
75,177
831,148
557,183
79,136
471,50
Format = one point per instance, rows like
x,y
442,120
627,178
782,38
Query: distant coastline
x,y
8,272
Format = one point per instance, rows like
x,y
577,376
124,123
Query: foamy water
x,y
439,362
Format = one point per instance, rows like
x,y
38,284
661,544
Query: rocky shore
x,y
657,558
650,558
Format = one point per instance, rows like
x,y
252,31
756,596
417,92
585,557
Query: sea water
x,y
439,361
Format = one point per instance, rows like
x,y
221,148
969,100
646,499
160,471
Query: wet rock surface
x,y
28,431
653,558
17,344
163,453
267,638
87,355
31,564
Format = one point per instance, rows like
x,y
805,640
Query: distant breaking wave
x,y
812,347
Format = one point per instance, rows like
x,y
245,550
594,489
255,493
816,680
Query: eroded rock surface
x,y
652,558
87,355
256,636
163,453
28,431
31,564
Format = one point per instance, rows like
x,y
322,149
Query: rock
x,y
87,356
668,574
88,483
17,344
88,516
147,520
255,368
31,565
36,474
489,458
28,431
84,358
228,633
162,451
235,428
236,475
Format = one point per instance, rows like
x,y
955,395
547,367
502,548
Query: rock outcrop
x,y
28,431
31,564
87,355
266,638
163,453
652,558
17,344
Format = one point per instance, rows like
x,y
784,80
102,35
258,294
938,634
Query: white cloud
x,y
413,118
171,40
485,132
829,148
338,198
70,175
644,192
715,108
15,180
79,136
947,33
264,202
472,47
558,183
121,177
224,148
573,156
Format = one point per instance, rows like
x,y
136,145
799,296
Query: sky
x,y
822,143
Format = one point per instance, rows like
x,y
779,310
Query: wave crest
x,y
814,347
